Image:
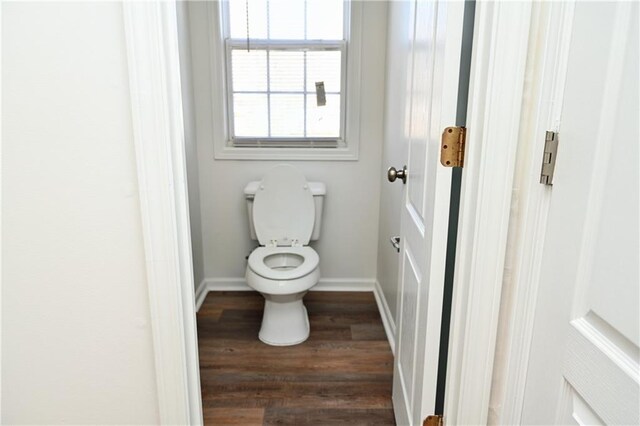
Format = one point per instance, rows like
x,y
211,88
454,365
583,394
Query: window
x,y
286,73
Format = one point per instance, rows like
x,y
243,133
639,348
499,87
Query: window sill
x,y
287,154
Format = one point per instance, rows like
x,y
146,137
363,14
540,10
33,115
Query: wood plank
x,y
341,374
357,395
301,416
233,416
368,332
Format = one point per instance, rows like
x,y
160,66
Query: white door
x,y
583,365
433,32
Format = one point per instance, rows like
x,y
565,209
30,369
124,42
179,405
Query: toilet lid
x,y
283,208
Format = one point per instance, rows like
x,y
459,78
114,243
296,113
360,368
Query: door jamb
x,y
552,33
151,38
500,45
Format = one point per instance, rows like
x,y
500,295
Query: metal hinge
x,y
452,147
434,420
549,158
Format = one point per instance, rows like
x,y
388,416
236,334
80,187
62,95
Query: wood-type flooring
x,y
342,375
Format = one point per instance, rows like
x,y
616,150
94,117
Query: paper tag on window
x,y
321,98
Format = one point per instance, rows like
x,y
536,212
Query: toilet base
x,y
285,321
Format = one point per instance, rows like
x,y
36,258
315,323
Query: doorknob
x,y
393,174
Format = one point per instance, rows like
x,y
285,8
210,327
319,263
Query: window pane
x,y
286,19
257,19
324,66
286,71
325,19
323,121
249,70
273,88
250,114
287,115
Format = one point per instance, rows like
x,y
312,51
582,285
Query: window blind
x,y
286,71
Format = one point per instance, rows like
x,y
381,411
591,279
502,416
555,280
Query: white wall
x,y
349,239
191,148
77,345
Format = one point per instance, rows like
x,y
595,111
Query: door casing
x,y
498,66
500,50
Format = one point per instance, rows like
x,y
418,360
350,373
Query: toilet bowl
x,y
284,267
283,275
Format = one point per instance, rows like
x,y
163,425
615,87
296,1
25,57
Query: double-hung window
x,y
286,72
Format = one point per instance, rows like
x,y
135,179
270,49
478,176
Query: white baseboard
x,y
387,319
344,284
227,284
239,284
218,284
325,284
201,293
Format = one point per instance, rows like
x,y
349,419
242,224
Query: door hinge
x,y
452,146
434,420
549,158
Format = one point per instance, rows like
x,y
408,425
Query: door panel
x,y
421,95
411,279
435,52
396,144
585,350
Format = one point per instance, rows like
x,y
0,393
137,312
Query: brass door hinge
x,y
433,420
549,158
452,147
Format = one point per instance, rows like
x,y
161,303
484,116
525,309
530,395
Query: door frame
x,y
551,32
500,46
151,39
498,66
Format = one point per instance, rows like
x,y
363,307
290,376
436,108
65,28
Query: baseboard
x,y
387,319
325,284
201,293
344,284
227,284
239,284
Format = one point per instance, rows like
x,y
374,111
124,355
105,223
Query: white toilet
x,y
285,213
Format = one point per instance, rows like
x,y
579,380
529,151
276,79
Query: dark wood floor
x,y
341,375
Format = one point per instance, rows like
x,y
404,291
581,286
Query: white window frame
x,y
344,148
287,46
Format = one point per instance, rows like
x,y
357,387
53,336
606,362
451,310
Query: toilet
x,y
285,213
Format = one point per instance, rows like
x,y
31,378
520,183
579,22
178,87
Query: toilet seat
x,y
309,263
283,208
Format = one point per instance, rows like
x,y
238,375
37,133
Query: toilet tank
x,y
318,190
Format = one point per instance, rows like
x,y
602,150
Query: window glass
x,y
324,66
250,115
257,18
325,20
286,70
287,82
287,19
287,115
249,70
323,121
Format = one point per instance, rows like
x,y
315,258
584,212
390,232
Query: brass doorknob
x,y
393,174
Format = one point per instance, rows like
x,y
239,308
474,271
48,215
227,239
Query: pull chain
x,y
247,9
